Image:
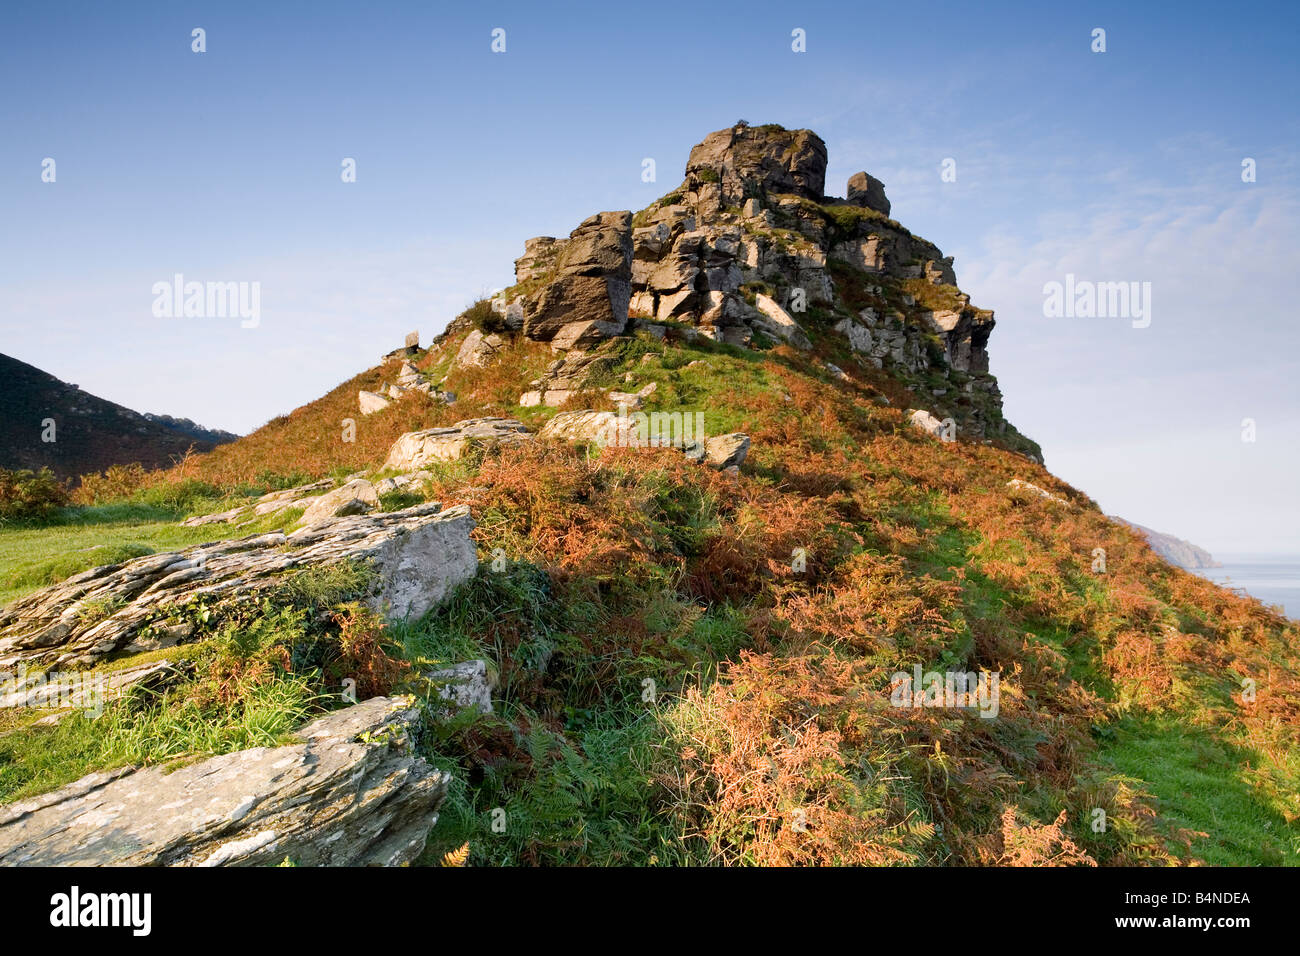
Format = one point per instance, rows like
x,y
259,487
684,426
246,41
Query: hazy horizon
x,y
1110,167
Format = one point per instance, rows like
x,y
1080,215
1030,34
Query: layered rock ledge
x,y
349,792
418,554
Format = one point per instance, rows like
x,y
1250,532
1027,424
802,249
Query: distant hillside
x,y
90,433
1176,550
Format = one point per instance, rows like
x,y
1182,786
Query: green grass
x,y
1198,779
578,782
36,760
1200,784
32,557
589,797
261,674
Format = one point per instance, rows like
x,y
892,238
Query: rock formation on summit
x,y
749,250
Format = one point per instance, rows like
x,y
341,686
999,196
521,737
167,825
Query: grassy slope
x,y
768,737
88,537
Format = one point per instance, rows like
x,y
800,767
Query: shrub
x,y
180,495
483,317
30,495
118,482
363,646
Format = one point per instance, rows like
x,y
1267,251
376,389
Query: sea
x,y
1273,578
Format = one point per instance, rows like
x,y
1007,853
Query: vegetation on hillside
x,y
27,495
695,667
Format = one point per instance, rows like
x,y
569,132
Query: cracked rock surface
x,y
419,554
347,792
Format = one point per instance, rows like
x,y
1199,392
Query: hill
x,y
1176,550
747,509
48,423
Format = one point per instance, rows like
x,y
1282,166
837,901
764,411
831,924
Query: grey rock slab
x,y
418,554
356,497
347,792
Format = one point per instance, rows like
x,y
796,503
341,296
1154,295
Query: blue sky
x,y
1115,166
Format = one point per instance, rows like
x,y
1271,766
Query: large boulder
x,y
371,402
418,555
415,450
869,192
589,425
859,335
927,422
589,280
347,792
479,350
777,322
726,451
1031,489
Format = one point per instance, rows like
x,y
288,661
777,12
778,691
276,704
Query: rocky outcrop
x,y
925,421
418,555
301,497
565,376
410,379
604,428
479,350
778,323
586,291
867,191
644,430
734,164
633,400
414,450
1029,488
726,451
348,792
88,691
749,249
